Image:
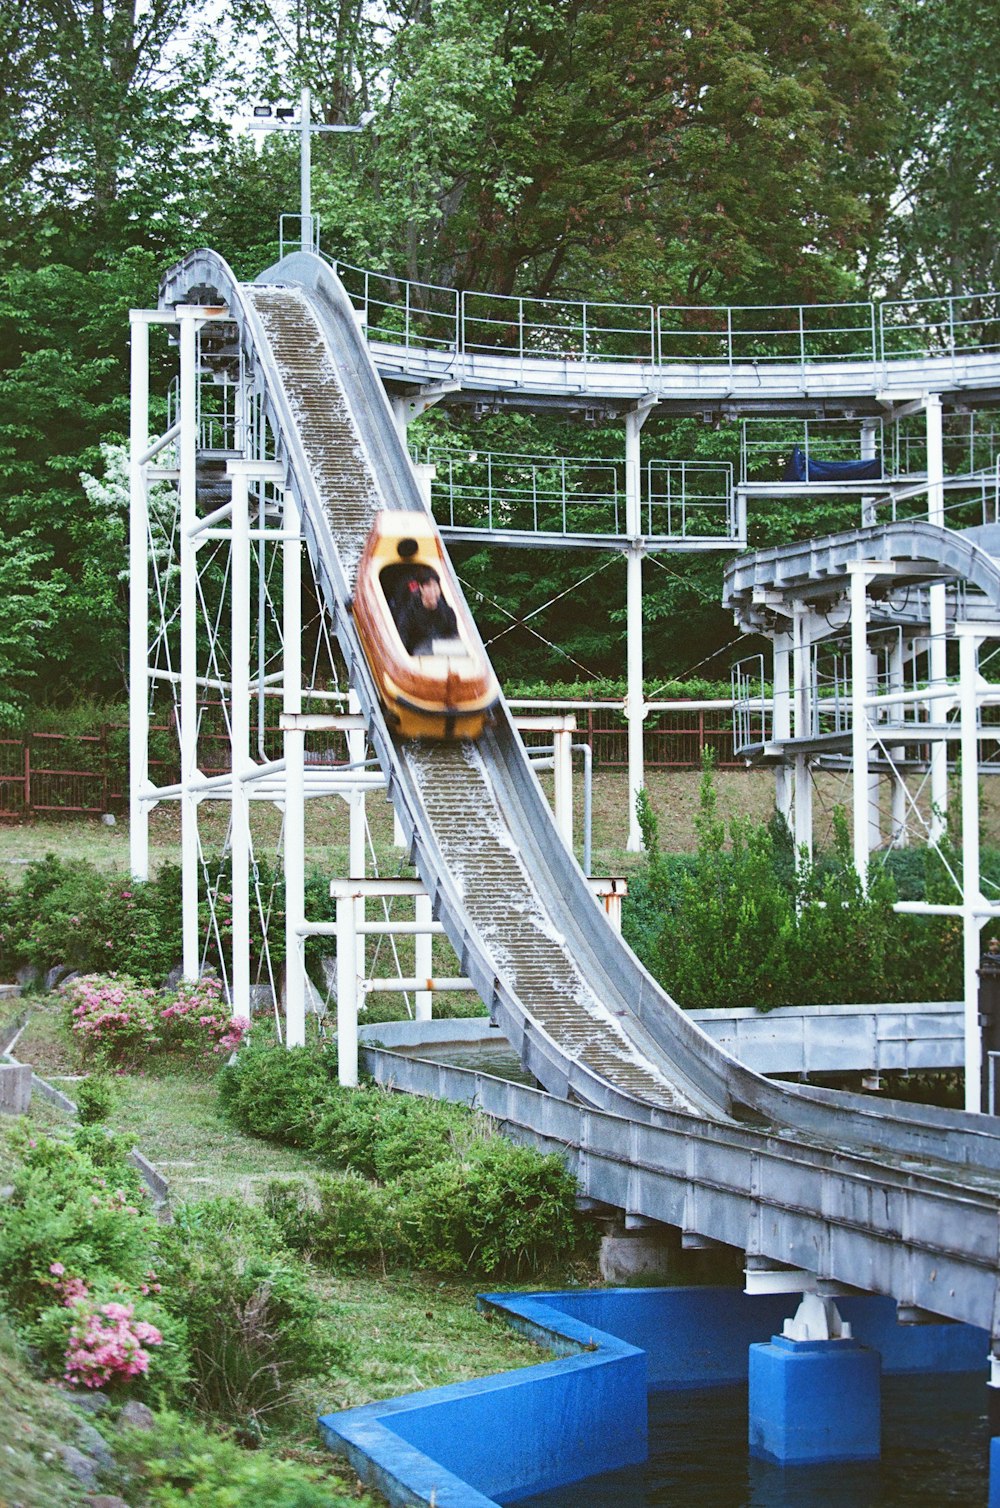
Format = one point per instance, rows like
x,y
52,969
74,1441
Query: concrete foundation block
x,y
646,1257
15,1088
813,1401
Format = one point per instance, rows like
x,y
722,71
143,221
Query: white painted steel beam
x,y
968,646
293,743
138,644
189,319
239,732
635,711
859,572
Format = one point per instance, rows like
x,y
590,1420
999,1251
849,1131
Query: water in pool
x,y
934,1455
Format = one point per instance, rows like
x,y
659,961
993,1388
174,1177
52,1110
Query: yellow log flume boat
x,y
442,686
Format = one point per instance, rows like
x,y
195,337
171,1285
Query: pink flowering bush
x,y
196,1020
113,1018
119,1022
106,1342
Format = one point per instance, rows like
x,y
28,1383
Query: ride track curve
x,y
887,1197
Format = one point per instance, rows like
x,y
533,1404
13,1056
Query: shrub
x,y
77,1205
95,1099
192,1468
113,1019
112,1339
276,1092
254,1325
345,1223
10,951
385,1135
504,1210
196,1022
743,926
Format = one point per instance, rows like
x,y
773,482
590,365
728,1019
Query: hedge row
x,y
406,1182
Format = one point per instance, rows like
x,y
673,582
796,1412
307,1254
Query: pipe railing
x,y
494,490
434,317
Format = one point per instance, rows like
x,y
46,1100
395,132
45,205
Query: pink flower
x,y
57,1269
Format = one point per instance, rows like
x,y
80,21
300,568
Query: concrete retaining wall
x,y
15,1088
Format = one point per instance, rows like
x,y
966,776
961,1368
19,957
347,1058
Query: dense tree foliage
x,y
716,151
943,238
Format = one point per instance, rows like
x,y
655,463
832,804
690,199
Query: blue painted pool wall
x,y
700,1337
501,1438
994,1473
507,1437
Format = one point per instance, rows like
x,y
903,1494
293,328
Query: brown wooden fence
x,y
47,774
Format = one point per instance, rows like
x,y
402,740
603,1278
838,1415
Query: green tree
x,y
728,930
943,237
724,149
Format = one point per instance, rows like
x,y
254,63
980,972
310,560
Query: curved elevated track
x,y
891,1198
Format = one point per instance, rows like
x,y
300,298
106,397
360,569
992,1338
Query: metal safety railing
x,y
566,495
753,706
433,317
87,774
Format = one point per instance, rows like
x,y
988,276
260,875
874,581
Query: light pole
x,y
280,119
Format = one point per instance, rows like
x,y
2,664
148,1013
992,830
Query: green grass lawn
x,y
674,795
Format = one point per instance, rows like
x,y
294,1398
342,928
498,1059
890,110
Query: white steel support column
x,y
802,727
869,430
781,723
188,318
348,989
635,709
899,833
937,651
562,765
401,414
138,642
972,900
423,956
294,742
239,731
356,831
874,781
425,473
859,572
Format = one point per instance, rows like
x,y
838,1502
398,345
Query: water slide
x,y
588,1021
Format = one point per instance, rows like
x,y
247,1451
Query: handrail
x,y
435,316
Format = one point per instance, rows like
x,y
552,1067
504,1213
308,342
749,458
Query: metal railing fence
x,y
434,317
50,774
492,490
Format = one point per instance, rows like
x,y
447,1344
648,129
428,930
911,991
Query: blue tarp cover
x,y
801,469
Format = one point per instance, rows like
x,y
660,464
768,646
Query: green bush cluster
x,y
73,915
741,924
239,1321
255,1326
414,1182
192,1468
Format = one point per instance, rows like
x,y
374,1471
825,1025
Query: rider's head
x,y
430,593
